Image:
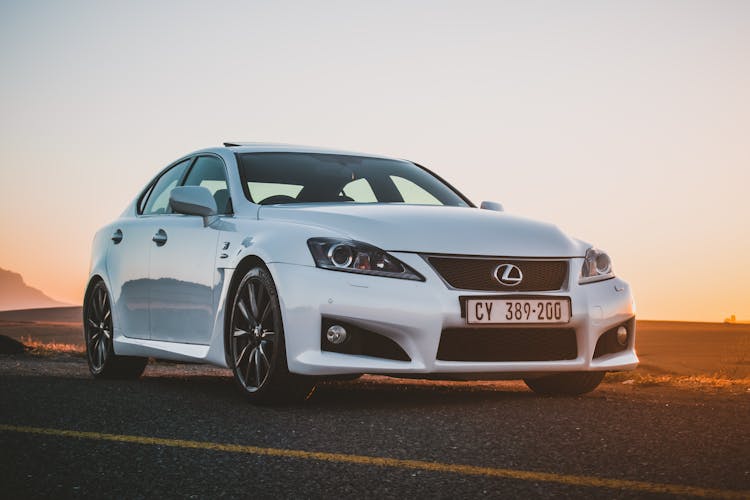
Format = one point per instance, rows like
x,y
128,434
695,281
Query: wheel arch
x,y
93,280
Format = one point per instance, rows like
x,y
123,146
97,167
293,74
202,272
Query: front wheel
x,y
255,342
569,384
98,331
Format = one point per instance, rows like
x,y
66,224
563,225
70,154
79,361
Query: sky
x,y
625,123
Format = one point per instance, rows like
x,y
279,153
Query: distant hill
x,y
15,294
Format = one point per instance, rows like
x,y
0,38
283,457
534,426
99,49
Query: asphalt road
x,y
63,434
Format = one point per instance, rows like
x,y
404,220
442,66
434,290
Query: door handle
x,y
117,236
160,238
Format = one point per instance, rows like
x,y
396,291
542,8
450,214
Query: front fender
x,y
271,241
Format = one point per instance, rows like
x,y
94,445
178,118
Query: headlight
x,y
597,266
357,257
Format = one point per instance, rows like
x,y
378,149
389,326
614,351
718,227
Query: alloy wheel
x,y
254,335
98,327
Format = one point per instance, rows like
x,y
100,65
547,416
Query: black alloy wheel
x,y
255,342
98,329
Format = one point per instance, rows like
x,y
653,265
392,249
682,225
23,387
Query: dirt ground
x,y
678,348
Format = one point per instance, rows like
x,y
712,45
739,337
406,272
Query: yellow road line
x,y
470,470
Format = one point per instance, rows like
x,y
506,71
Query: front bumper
x,y
414,314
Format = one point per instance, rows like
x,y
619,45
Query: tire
x,y
256,351
98,332
566,384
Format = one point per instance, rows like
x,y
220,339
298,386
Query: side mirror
x,y
193,200
491,205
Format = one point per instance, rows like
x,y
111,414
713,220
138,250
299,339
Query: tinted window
x,y
412,193
158,200
144,199
272,178
265,190
208,172
360,191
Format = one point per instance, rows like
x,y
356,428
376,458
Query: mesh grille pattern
x,y
478,274
507,344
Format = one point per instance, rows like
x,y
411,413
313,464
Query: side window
x,y
359,191
413,194
208,172
144,199
158,200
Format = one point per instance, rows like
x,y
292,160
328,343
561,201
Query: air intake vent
x,y
362,342
507,344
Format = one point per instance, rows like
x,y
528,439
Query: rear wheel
x,y
98,334
255,342
570,384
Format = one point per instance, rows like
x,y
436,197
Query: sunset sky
x,y
625,123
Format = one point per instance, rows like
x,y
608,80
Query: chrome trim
x,y
348,261
506,279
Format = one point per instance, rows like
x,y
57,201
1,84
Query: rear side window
x,y
208,172
144,199
158,199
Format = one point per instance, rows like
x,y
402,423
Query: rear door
x,y
128,259
128,268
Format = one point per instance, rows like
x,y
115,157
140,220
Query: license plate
x,y
517,311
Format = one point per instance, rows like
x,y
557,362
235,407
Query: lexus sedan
x,y
291,264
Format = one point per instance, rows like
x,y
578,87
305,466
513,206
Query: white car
x,y
290,264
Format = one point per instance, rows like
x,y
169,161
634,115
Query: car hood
x,y
433,229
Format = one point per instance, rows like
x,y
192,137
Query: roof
x,y
269,147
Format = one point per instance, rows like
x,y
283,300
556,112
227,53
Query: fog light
x,y
622,335
336,334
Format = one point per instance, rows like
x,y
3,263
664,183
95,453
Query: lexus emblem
x,y
508,275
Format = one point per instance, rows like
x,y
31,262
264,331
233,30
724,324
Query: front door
x,y
183,269
182,280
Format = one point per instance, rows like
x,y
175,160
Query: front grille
x,y
507,344
478,273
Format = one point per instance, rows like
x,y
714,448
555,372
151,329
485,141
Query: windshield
x,y
273,178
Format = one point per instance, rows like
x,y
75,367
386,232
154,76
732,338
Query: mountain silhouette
x,y
15,294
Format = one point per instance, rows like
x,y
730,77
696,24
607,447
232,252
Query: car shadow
x,y
355,395
412,393
210,386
